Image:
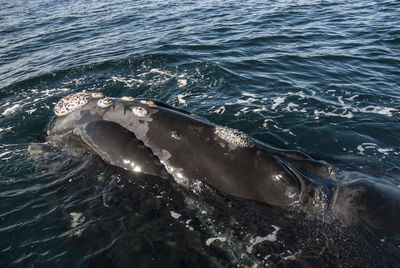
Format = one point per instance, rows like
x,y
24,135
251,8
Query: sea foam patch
x,y
258,239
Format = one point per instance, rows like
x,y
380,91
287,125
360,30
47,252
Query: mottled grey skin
x,y
154,138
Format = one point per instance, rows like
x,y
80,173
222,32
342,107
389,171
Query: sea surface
x,y
321,77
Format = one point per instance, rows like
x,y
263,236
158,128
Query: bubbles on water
x,y
129,82
303,101
368,148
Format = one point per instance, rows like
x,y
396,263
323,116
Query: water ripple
x,y
318,76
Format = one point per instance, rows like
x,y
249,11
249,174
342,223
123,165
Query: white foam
x,y
378,110
247,94
220,110
212,239
337,108
277,101
156,70
293,107
242,101
31,111
352,97
291,256
346,114
248,100
5,129
385,150
244,110
366,145
181,98
129,82
259,110
258,239
265,124
182,82
77,81
369,145
11,110
340,100
5,104
175,215
4,154
288,131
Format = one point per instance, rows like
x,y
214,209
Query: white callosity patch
x,y
234,137
104,102
71,102
97,95
126,98
139,111
148,103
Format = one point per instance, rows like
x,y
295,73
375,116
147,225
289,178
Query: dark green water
x,y
322,77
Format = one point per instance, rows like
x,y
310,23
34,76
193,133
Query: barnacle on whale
x,y
127,98
104,102
139,111
70,103
233,136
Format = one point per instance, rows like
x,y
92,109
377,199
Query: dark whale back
x,y
154,138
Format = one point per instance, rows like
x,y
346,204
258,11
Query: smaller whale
x,y
151,137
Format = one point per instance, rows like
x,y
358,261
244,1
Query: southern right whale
x,y
152,137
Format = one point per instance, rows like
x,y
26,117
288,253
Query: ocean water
x,y
321,77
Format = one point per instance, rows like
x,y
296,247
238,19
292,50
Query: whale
x,y
151,137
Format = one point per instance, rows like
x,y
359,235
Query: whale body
x,y
151,137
